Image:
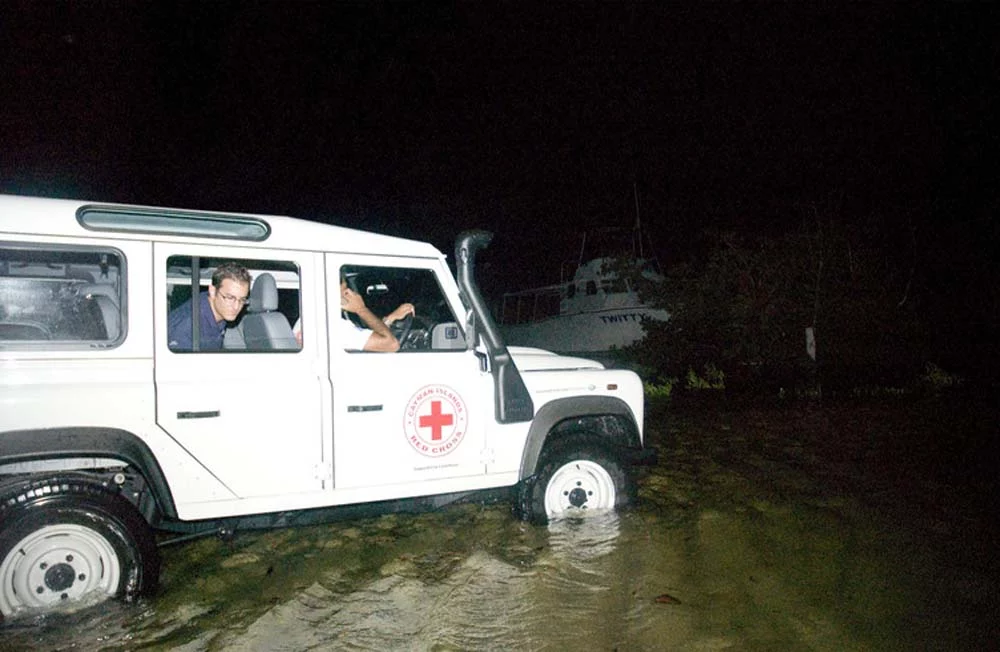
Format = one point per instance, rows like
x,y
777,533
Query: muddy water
x,y
759,530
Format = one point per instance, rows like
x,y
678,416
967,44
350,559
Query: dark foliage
x,y
745,305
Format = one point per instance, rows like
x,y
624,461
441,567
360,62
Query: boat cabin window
x,y
591,288
615,286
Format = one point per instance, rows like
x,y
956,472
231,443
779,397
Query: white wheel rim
x,y
58,564
579,487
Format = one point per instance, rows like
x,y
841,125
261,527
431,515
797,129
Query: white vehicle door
x,y
417,415
251,415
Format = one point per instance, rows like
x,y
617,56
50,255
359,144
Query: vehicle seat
x,y
232,338
264,328
106,300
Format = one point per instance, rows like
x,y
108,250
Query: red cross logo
x,y
435,421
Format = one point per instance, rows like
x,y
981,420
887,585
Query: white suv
x,y
108,435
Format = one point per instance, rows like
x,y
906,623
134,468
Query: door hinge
x,y
323,471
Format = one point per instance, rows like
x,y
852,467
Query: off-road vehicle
x,y
110,439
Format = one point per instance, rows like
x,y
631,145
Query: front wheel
x,y
65,542
575,480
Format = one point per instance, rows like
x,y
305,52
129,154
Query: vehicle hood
x,y
532,359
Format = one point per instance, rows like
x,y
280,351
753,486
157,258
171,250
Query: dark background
x,y
534,120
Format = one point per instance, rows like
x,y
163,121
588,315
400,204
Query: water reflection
x,y
485,602
584,538
473,578
744,568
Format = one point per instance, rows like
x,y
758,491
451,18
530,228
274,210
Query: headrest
x,y
263,294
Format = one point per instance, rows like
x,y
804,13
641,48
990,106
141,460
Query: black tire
x,y
64,540
575,477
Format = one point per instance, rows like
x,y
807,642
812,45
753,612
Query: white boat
x,y
593,312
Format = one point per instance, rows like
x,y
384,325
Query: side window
x,y
65,296
615,286
245,305
433,326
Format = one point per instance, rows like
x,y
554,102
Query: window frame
x,y
352,270
258,265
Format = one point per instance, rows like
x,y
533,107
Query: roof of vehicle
x,y
59,217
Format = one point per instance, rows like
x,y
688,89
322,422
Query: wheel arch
x,y
44,444
607,418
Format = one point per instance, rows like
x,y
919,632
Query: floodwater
x,y
810,527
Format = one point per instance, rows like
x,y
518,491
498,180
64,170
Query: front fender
x,y
580,413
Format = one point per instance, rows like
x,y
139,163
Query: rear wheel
x,y
575,478
65,542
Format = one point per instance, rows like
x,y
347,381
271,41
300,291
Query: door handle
x,y
364,408
206,414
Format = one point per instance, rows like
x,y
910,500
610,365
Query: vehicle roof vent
x,y
173,222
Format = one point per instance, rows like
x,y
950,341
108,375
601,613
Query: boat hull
x,y
584,333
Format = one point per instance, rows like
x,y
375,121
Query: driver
x,y
377,337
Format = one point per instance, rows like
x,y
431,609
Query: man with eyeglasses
x,y
222,303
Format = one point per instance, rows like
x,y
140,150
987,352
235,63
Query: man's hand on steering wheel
x,y
400,321
399,313
401,329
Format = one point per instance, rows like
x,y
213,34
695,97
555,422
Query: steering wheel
x,y
401,329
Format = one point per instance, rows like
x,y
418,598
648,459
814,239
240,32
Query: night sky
x,y
530,119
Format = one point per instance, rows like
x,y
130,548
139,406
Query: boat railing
x,y
540,303
532,305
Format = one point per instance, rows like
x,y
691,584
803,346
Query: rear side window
x,y
263,316
60,296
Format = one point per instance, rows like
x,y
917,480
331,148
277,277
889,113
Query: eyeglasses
x,y
230,299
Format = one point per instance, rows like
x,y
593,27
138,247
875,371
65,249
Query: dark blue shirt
x,y
210,332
